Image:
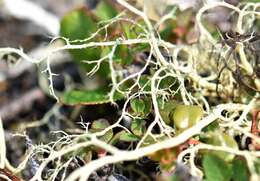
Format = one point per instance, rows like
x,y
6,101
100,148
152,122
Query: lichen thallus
x,y
251,44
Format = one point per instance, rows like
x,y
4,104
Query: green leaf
x,y
123,55
240,170
137,105
105,11
165,111
78,25
211,127
138,127
88,97
128,32
222,139
126,85
141,106
99,125
145,82
169,82
215,168
166,33
116,137
123,136
107,136
128,137
185,116
148,106
149,140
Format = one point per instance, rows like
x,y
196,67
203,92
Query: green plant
x,y
165,94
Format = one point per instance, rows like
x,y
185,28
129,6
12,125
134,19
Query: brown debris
x,y
254,127
7,175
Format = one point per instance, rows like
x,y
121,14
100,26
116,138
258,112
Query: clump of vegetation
x,y
185,98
